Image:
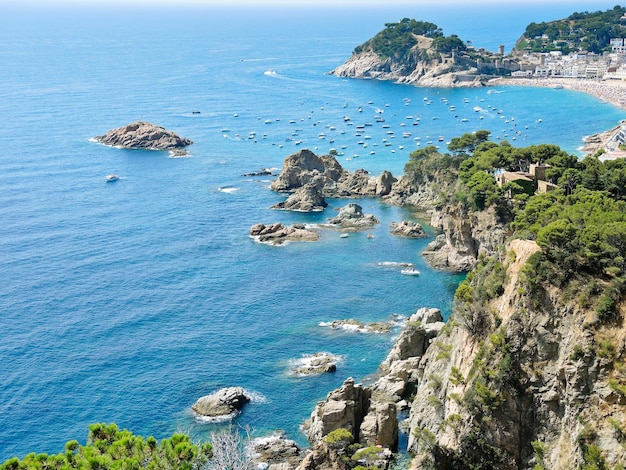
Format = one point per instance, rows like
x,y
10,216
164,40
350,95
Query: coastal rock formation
x,y
520,384
343,408
324,174
443,73
352,217
465,237
315,364
224,402
357,326
302,167
384,183
143,135
277,233
369,414
306,198
408,229
276,452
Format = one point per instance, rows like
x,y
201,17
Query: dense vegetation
x,y
579,32
581,226
398,40
581,229
108,447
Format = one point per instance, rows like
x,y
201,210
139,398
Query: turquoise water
x,y
127,301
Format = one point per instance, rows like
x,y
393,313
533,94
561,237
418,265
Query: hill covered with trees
x,y
582,31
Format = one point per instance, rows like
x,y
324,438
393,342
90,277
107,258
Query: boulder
x,y
307,198
224,402
315,364
277,233
143,135
351,216
408,229
384,183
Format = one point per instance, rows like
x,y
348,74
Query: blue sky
x,y
292,3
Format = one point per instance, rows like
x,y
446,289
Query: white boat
x,y
344,235
112,177
410,272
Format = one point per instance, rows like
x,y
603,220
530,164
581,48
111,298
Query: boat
x,y
410,272
112,177
344,235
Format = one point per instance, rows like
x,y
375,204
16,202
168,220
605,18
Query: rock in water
x,y
351,216
407,229
221,403
143,135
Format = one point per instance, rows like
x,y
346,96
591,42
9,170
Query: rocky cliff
x,y
520,381
444,73
513,380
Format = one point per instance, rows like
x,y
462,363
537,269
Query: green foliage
x,y
580,31
397,39
339,438
108,447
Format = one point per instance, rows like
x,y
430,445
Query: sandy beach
x,y
612,91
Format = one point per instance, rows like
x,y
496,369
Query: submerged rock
x,y
408,229
315,364
224,402
357,326
143,135
277,233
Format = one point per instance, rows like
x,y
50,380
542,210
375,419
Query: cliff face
x,y
464,234
522,381
440,73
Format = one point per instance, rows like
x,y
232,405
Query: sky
x,y
293,3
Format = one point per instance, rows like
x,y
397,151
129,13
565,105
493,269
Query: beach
x,y
613,91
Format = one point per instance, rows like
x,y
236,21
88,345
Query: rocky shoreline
x,y
309,179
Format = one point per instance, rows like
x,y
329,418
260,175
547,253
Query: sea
x,y
126,301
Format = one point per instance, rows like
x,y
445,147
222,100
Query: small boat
x,y
112,177
369,235
344,235
410,272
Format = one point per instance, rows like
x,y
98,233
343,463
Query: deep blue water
x,y
124,302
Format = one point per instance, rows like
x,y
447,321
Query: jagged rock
x,y
351,216
224,402
277,233
302,167
465,237
408,229
384,183
415,337
305,167
444,73
276,451
307,198
143,135
359,183
343,408
315,364
380,426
